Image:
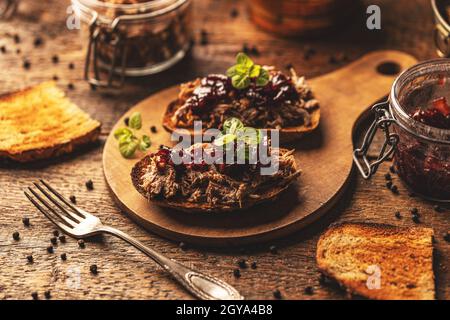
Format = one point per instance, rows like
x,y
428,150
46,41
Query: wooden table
x,y
124,273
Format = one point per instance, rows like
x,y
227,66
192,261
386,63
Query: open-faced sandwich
x,y
260,96
198,185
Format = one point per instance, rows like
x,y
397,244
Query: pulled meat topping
x,y
283,102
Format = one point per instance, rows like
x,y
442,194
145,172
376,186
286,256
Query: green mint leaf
x,y
250,136
244,60
135,121
263,78
122,132
231,72
232,125
224,139
128,148
255,71
145,143
240,81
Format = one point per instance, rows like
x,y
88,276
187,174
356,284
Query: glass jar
x,y
441,11
133,37
421,152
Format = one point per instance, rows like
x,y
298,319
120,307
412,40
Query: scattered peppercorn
x,y
38,42
30,258
71,86
392,169
153,129
63,256
47,294
309,290
26,221
50,249
254,51
55,59
182,246
54,240
55,78
93,87
3,49
254,265
16,38
416,218
26,64
277,294
126,121
389,184
394,189
34,295
73,199
93,269
387,176
245,48
16,236
398,215
89,185
273,249
234,13
62,238
447,236
242,264
236,273
56,233
81,243
414,211
71,66
18,51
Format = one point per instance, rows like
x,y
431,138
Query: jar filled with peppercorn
x,y
132,37
416,125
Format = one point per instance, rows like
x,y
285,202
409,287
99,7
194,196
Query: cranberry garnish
x,y
441,105
212,89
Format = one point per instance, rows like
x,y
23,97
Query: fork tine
x,y
70,215
63,199
49,216
67,221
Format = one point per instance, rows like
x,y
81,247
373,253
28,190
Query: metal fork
x,y
81,224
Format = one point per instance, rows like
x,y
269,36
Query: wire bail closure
x,y
442,39
383,120
116,40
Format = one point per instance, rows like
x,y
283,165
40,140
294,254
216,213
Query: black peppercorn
x,y
55,59
30,258
389,184
62,239
394,189
71,66
254,265
93,87
16,236
153,129
392,169
447,236
56,233
236,273
38,42
3,49
414,211
81,243
234,13
18,51
204,37
387,176
54,240
245,48
16,38
254,51
277,294
47,294
89,185
126,121
71,86
26,221
26,64
50,249
34,295
73,199
93,269
416,218
309,290
273,249
63,256
242,264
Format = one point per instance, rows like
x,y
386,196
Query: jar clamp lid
x,y
103,28
442,31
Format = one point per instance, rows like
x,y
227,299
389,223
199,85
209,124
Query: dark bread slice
x,y
41,122
287,135
181,204
404,257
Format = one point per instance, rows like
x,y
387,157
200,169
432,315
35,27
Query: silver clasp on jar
x,y
383,121
116,41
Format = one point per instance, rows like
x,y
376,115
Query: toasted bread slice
x,y
178,203
41,122
357,254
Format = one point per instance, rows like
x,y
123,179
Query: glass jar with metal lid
x,y
415,121
132,37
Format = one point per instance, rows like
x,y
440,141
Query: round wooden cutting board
x,y
325,157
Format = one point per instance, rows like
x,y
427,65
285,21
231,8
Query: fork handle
x,y
201,285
